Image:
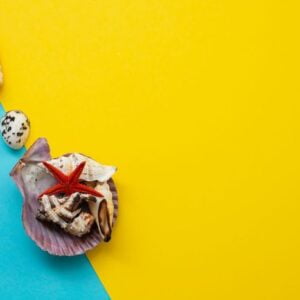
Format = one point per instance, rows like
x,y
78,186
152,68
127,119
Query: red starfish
x,y
68,184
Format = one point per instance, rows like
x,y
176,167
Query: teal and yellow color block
x,y
197,103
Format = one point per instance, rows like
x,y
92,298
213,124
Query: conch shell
x,y
93,171
103,209
32,179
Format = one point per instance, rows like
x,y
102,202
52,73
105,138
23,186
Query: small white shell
x,y
15,128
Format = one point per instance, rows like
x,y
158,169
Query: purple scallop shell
x,y
47,236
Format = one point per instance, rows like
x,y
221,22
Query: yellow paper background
x,y
197,103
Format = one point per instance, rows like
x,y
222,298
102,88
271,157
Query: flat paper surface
x,y
197,104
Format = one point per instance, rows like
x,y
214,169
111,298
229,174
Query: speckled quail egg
x,y
15,128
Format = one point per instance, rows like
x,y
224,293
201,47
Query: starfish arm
x,y
81,188
74,176
68,184
58,174
58,188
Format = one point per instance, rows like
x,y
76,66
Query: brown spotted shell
x,y
32,180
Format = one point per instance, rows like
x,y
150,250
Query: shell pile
x,y
67,213
65,225
15,128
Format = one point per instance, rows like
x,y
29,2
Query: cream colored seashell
x,y
93,171
99,208
104,189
